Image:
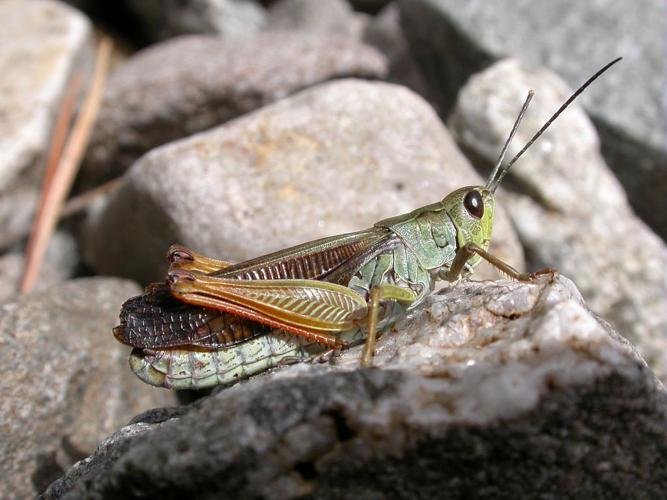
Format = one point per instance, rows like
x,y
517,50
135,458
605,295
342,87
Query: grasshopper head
x,y
471,210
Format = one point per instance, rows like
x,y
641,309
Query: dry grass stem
x,y
59,179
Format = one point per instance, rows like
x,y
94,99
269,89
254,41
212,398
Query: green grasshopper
x,y
213,322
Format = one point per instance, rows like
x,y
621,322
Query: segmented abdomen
x,y
199,369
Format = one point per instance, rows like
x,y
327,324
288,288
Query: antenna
x,y
493,183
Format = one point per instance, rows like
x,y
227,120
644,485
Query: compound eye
x,y
474,204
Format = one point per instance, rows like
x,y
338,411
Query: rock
x,y
111,448
40,45
384,33
59,265
372,6
11,271
332,159
17,209
63,253
328,17
189,84
573,38
165,19
108,450
502,389
64,380
568,208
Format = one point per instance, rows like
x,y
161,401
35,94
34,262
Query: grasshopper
x,y
213,322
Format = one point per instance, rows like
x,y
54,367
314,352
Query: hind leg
x,y
378,294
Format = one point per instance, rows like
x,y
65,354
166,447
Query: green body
x,y
410,251
197,369
200,369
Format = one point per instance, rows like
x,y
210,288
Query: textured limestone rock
x,y
497,389
330,160
41,42
189,84
568,208
453,41
64,380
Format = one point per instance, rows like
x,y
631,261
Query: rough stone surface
x,y
454,41
569,210
384,32
64,381
334,17
11,270
497,390
163,19
189,84
109,450
59,265
40,44
330,160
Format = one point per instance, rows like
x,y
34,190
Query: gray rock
x,y
384,33
59,265
41,42
332,159
63,253
454,41
163,19
189,84
109,450
501,389
568,208
11,270
18,204
329,17
64,380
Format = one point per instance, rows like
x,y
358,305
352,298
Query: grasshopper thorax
x,y
471,210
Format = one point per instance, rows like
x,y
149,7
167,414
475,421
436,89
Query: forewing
x,y
310,304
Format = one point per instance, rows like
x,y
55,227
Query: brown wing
x,y
310,261
158,320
